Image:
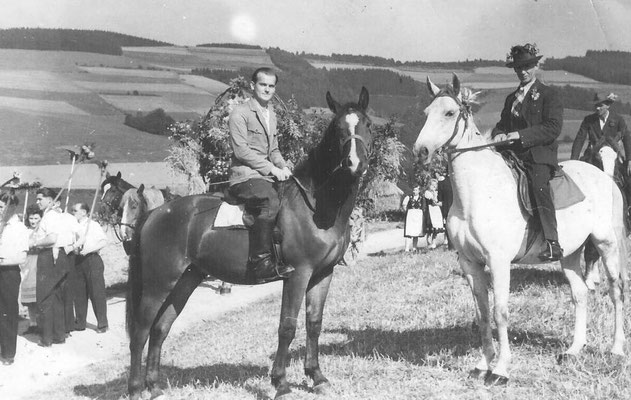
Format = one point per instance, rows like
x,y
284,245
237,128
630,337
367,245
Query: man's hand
x,y
503,137
281,174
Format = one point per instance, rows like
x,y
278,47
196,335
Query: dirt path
x,y
37,368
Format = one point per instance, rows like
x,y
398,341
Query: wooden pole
x,y
70,182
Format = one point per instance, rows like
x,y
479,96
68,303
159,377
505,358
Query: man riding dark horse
x,y
605,127
256,162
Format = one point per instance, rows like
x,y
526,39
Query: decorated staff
x,y
85,153
15,183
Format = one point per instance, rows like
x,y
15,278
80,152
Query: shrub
x,y
156,122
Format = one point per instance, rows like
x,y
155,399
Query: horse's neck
x,y
330,195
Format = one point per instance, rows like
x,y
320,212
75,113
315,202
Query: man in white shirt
x,y
69,233
89,266
14,239
52,271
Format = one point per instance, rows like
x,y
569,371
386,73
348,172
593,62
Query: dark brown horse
x,y
176,247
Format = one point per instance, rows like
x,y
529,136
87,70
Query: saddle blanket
x,y
229,215
564,191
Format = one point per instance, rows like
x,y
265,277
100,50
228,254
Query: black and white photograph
x,y
325,199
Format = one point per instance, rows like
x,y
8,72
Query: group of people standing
x,y
425,214
55,265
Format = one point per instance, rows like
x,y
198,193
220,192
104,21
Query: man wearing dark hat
x,y
603,127
530,123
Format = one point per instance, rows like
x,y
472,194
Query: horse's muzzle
x,y
422,152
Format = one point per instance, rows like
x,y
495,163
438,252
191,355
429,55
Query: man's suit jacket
x,y
614,130
255,150
539,124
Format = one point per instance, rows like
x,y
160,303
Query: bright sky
x,y
427,30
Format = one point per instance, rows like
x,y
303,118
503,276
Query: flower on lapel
x,y
534,93
612,124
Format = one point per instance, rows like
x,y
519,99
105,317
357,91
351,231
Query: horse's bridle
x,y
330,174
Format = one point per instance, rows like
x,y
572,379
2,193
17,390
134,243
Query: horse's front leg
x,y
500,274
479,283
316,297
294,290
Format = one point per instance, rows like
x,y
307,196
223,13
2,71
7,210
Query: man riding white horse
x,y
604,129
532,119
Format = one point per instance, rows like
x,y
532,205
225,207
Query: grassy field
x,y
396,326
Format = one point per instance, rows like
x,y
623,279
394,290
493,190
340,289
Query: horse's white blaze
x,y
608,157
352,120
105,189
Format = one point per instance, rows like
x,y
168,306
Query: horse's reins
x,y
465,113
339,166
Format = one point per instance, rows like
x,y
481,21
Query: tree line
x,y
601,65
91,41
307,83
390,62
583,99
232,46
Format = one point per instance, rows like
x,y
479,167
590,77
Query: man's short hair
x,y
83,206
46,192
264,70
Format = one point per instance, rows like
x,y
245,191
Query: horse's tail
x,y
134,282
623,252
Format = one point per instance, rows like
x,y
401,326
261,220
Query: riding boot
x,y
552,252
261,260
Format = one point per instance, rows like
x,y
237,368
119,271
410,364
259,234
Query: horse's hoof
x,y
495,380
323,389
282,392
224,291
157,394
478,373
564,357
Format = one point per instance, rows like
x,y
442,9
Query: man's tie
x,y
519,98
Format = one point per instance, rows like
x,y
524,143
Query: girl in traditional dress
x,y
434,217
29,271
413,219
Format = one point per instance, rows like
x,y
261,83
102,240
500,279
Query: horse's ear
x,y
455,82
141,189
433,89
363,99
333,105
119,175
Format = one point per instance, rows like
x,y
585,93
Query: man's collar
x,y
528,85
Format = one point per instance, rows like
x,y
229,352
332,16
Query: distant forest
x,y
390,62
307,83
102,42
582,99
601,65
232,45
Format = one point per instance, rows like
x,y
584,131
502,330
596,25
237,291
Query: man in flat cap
x,y
531,120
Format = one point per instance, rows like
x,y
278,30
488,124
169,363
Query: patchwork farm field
x,y
60,99
53,99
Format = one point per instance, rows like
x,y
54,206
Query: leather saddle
x,y
563,189
232,214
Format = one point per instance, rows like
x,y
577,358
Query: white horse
x,y
488,227
608,157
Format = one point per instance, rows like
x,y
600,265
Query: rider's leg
x,y
540,175
262,201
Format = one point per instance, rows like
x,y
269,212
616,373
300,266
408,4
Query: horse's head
x,y
348,139
134,206
448,119
113,187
